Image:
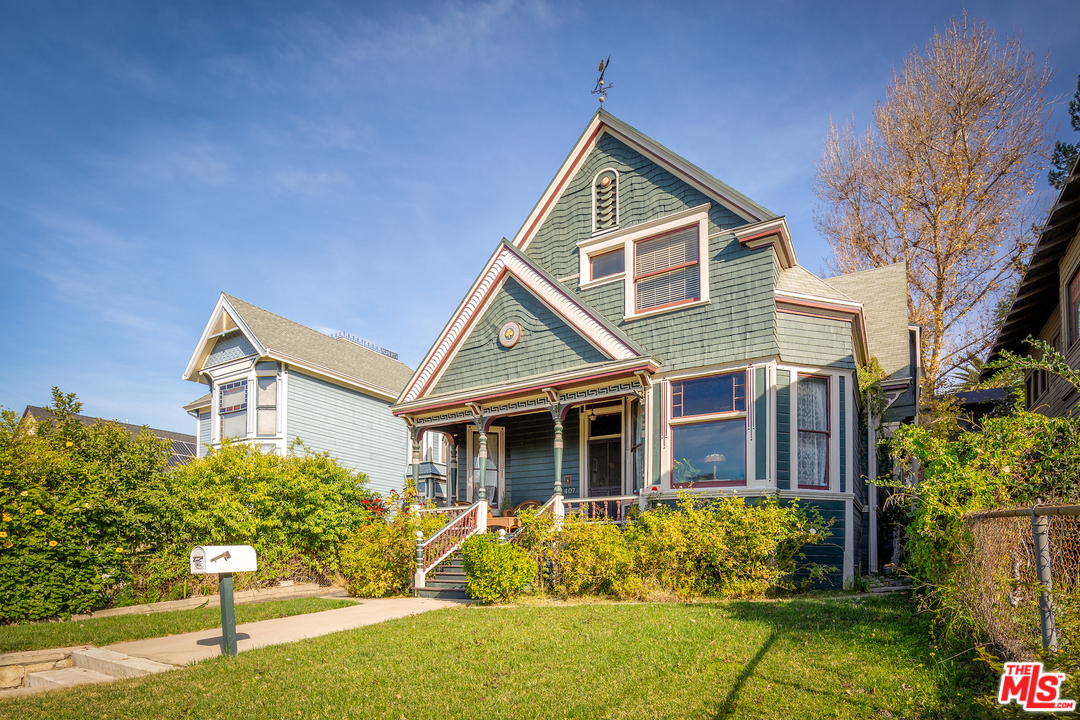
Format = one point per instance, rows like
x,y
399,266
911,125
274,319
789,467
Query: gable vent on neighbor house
x,y
364,343
606,200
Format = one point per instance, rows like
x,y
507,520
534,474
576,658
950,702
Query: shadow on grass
x,y
728,706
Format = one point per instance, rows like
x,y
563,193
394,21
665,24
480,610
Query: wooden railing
x,y
438,547
449,512
601,509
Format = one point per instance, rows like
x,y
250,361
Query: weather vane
x,y
601,89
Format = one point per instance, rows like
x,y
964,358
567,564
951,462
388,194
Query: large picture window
x,y
666,270
233,404
708,431
813,418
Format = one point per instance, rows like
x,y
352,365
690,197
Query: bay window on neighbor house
x,y
666,270
233,404
813,430
708,431
266,408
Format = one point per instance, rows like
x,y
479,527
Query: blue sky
x,y
350,166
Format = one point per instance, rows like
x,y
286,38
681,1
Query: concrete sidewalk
x,y
191,647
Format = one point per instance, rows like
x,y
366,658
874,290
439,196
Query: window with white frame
x,y
813,429
232,408
708,430
607,264
266,407
666,270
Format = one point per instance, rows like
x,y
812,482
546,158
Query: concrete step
x,y
444,584
65,677
443,594
118,665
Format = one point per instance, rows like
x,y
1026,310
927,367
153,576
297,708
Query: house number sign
x,y
509,334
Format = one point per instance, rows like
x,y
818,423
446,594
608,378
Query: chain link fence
x,y
1021,577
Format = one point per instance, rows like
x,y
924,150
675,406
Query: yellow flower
x,y
87,506
7,544
39,511
119,549
7,518
52,543
24,493
69,443
3,534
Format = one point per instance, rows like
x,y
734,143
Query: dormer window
x,y
606,201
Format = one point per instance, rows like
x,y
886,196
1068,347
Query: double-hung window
x,y
666,270
233,406
813,419
266,410
708,430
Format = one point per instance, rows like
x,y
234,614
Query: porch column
x,y
454,479
415,458
558,455
481,490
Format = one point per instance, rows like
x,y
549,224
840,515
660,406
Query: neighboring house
x,y
273,381
184,447
649,330
1047,305
432,481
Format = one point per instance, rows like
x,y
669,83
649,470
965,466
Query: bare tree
x,y
943,180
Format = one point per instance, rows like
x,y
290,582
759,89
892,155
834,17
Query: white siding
x,y
355,428
204,431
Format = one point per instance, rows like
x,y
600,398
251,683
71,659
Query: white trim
x,y
507,260
872,494
198,357
779,228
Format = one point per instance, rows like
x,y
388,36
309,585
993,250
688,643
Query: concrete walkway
x,y
191,647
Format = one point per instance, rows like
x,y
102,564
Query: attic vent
x,y
606,200
364,343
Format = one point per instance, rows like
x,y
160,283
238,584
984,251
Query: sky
x,y
351,166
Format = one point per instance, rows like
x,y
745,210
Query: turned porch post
x,y
558,454
415,432
481,490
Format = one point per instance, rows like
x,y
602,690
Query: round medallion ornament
x,y
509,334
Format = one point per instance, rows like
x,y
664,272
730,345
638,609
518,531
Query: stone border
x,y
14,667
244,596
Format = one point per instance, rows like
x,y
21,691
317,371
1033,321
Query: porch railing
x,y
613,509
449,512
548,508
438,547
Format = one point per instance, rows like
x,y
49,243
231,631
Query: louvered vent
x,y
607,200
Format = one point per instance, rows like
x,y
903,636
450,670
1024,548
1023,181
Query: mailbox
x,y
208,559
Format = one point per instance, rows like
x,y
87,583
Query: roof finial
x,y
601,89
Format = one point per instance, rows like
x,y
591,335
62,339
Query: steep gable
x,y
548,344
884,294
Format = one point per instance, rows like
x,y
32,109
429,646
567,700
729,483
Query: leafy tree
x,y
942,181
1065,153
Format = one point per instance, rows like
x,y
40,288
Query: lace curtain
x,y
813,417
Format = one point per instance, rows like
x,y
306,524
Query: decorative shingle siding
x,y
232,346
355,428
529,456
843,437
205,418
738,322
547,344
783,429
761,425
819,342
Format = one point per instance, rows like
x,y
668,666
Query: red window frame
x,y
673,268
827,432
730,416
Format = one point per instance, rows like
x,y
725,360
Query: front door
x,y
605,454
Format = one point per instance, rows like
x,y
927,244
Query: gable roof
x,y
286,341
509,260
604,122
883,292
800,280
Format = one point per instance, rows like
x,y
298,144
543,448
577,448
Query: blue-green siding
x,y
761,425
204,431
783,429
547,344
355,428
529,456
830,552
819,342
843,437
738,322
231,346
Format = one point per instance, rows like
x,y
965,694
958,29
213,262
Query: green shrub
x,y
79,508
496,572
378,559
589,557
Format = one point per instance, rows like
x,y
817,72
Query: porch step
x,y
447,581
118,665
443,594
65,677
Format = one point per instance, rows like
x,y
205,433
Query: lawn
x,y
108,630
804,658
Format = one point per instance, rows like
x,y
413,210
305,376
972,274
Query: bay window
x,y
266,410
708,431
233,405
813,429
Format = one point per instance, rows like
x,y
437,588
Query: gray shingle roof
x,y
312,348
200,402
884,294
799,279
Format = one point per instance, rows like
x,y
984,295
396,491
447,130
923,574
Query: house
x,y
183,446
1047,305
647,331
273,381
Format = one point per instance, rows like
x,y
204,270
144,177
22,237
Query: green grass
x,y
804,658
108,630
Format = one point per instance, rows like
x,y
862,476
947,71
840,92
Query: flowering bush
x,y
496,572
